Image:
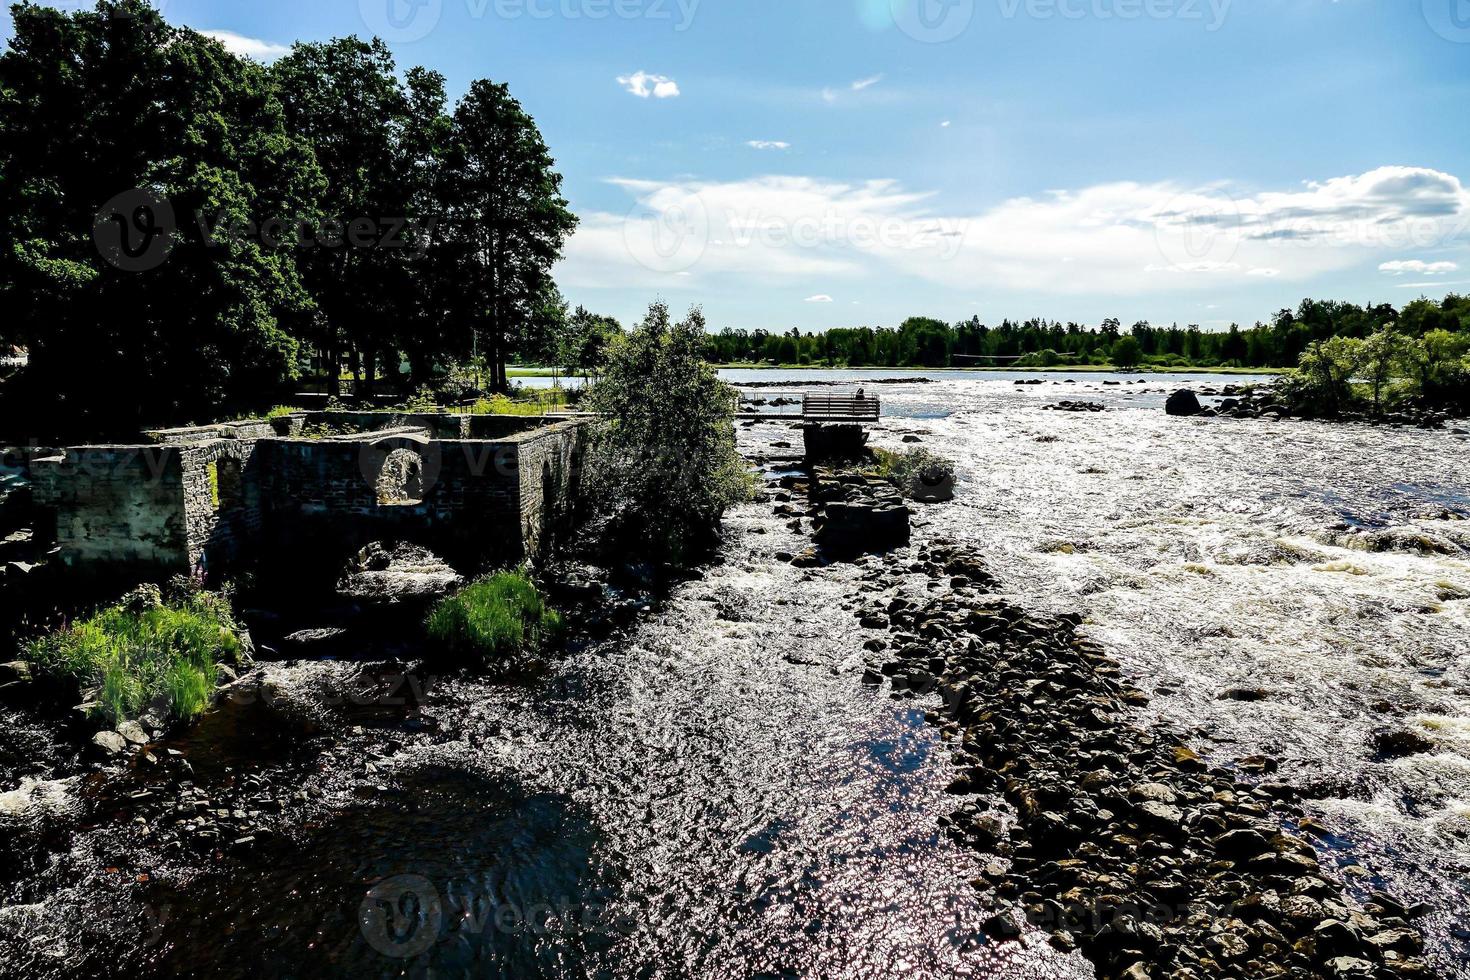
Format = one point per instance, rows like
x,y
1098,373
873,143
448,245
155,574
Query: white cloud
x,y
944,125
248,47
1420,268
768,144
642,84
1123,238
819,298
828,95
868,82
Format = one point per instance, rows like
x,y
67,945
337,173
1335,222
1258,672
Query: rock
x,y
15,672
1138,971
109,744
1336,938
1182,402
1241,843
1396,742
912,439
1003,925
392,574
1396,940
1345,967
1160,817
1243,694
133,732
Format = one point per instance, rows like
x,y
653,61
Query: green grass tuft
x,y
495,619
143,653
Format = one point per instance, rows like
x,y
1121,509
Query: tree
x,y
507,221
1436,365
664,463
124,143
589,341
1378,358
1127,352
344,97
1321,383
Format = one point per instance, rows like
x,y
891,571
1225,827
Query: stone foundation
x,y
472,488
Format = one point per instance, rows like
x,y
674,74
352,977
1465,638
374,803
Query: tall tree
x,y
123,142
344,97
506,219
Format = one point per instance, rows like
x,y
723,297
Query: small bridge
x,y
856,406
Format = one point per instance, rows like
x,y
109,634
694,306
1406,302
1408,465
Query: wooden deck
x,y
822,408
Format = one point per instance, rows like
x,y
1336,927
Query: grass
x,y
914,471
281,411
143,652
494,620
548,401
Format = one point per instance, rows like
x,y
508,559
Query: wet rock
x,y
133,732
1003,925
1182,402
1348,968
109,744
392,574
1394,743
1334,937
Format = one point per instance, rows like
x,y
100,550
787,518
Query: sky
x,y
821,163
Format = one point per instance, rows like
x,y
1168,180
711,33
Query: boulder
x,y
392,574
109,744
1396,742
1182,402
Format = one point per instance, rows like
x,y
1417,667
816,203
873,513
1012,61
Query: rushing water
x,y
716,795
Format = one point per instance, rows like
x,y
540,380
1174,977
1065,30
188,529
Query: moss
x,y
213,472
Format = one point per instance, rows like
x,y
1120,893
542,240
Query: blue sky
x,y
816,163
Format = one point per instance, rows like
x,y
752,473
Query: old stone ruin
x,y
310,487
854,510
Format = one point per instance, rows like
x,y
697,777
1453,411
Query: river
x,y
714,793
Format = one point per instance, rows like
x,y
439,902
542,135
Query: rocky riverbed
x,y
784,765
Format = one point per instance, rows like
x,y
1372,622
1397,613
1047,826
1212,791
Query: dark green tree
x,y
665,464
506,221
123,143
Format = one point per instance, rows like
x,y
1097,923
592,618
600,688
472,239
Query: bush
x,y
495,620
144,651
663,461
918,474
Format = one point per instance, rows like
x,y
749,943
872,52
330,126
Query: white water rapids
x,y
1326,565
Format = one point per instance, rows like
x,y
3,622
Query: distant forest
x,y
926,342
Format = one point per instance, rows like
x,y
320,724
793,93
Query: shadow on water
x,y
453,874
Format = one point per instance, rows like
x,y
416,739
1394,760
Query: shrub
x,y
918,474
663,463
495,620
143,651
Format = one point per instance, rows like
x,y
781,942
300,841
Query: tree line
x,y
187,231
1038,342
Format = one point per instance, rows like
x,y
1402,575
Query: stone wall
x,y
116,506
222,501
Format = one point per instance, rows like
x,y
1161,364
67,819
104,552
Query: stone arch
x,y
400,480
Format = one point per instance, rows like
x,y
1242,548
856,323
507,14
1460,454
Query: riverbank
x,y
786,816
